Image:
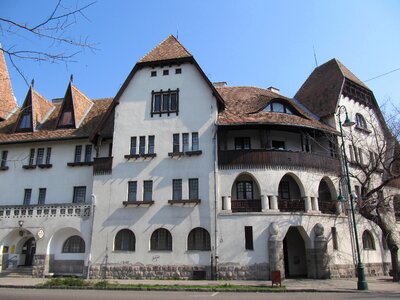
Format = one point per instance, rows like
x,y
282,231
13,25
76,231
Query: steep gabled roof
x,y
244,106
170,48
7,100
320,92
75,102
37,107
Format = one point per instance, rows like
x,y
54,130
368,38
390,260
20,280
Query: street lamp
x,y
361,283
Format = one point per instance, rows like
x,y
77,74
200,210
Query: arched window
x,y
161,239
74,244
361,121
368,241
125,240
199,239
278,107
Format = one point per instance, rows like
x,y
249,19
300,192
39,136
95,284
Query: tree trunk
x,y
395,264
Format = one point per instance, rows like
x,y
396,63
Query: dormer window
x,y
66,119
26,121
278,107
361,121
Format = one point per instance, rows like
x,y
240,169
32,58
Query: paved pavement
x,y
375,284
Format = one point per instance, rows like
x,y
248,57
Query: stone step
x,y
18,272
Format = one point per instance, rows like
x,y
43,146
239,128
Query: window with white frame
x,y
193,188
27,196
42,196
148,190
176,189
132,191
360,121
79,194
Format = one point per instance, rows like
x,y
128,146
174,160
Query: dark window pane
x,y
334,238
176,189
185,142
161,239
142,145
79,194
157,103
88,153
26,121
39,157
151,144
195,141
165,102
4,155
175,142
125,240
173,102
133,145
153,73
48,155
27,196
283,189
248,231
132,191
74,244
78,153
199,239
178,71
193,188
31,156
278,107
148,190
66,118
165,72
42,196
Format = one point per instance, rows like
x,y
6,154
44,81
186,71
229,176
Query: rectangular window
x,y
193,188
133,145
176,189
351,153
79,194
242,143
150,148
88,153
185,142
195,141
4,155
164,102
40,156
165,72
48,156
142,145
27,196
334,238
42,196
147,190
153,73
132,190
26,121
284,190
332,149
248,233
66,119
244,190
31,157
178,71
176,147
78,153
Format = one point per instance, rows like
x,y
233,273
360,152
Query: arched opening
x,y
326,200
245,194
290,193
29,250
19,248
368,240
124,240
161,239
199,239
294,251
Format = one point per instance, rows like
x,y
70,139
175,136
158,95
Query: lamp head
x,y
348,122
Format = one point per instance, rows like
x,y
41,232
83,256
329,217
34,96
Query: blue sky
x,y
257,43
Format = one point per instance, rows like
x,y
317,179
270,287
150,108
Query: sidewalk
x,y
375,284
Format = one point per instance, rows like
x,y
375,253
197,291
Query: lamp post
x,y
361,283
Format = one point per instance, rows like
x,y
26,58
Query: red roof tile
x,y
170,48
7,99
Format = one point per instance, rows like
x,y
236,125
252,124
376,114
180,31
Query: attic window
x,y
165,102
361,121
66,119
278,107
26,121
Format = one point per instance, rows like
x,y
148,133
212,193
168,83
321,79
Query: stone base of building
x,y
349,270
39,265
139,271
237,272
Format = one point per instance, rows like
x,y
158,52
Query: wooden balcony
x,y
253,205
291,205
102,165
260,158
327,207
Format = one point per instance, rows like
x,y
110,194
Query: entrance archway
x,y
29,250
294,251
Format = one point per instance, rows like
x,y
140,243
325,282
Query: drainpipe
x,y
91,236
215,204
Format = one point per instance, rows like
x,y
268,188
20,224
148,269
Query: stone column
x,y
264,203
307,203
275,250
321,253
39,265
314,202
274,202
227,202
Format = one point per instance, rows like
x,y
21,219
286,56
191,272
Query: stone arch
x,y
61,262
291,193
295,245
19,247
327,197
246,193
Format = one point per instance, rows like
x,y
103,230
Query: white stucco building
x,y
176,177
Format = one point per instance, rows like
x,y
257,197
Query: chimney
x,y
219,84
274,90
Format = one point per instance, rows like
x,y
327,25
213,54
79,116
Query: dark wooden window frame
x,y
161,240
248,233
125,240
241,186
161,94
74,244
199,240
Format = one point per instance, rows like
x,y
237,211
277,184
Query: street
x,y
40,294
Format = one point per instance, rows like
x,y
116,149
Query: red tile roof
x,y
47,131
243,106
7,99
168,49
320,92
